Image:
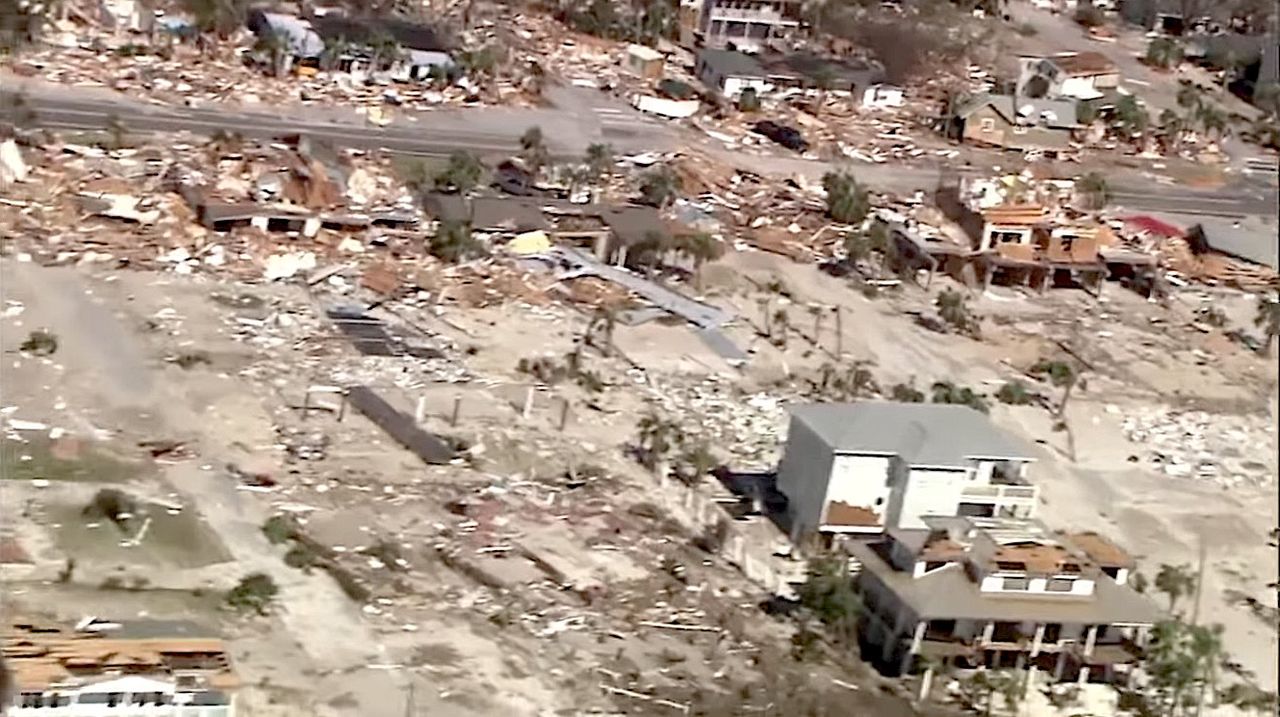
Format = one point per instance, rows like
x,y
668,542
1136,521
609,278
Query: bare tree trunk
x,y
839,332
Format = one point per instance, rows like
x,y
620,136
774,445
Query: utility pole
x,y
410,709
1195,608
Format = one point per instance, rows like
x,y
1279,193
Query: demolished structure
x,y
156,667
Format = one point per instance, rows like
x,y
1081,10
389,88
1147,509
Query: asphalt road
x,y
577,119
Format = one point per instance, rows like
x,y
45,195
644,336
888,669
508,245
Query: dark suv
x,y
788,137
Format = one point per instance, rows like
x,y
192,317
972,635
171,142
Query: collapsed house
x,y
138,667
1000,592
1012,231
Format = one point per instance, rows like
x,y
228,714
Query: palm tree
x,y
1062,374
823,78
1206,650
335,49
655,440
702,248
1172,125
533,150
1268,319
1212,120
1163,52
953,308
847,200
659,187
461,175
383,50
275,47
453,243
599,159
1093,186
1190,97
1176,582
604,322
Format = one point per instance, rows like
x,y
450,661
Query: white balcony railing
x,y
999,493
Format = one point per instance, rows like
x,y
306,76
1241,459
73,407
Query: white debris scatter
x,y
1207,446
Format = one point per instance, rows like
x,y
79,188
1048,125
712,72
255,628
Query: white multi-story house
x,y
97,669
861,468
991,592
748,25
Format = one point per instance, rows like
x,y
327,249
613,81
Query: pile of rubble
x,y
1204,446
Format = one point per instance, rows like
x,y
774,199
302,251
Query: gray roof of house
x,y
1251,239
732,63
160,629
303,40
949,594
923,434
1051,113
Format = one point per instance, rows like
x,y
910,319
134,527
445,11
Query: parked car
x,y
788,137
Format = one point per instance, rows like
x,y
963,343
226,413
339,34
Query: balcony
x,y
999,493
768,15
1112,651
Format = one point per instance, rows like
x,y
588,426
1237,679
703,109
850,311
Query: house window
x,y
1019,130
1007,237
1014,584
988,124
1011,565
1059,585
931,565
1067,242
1070,568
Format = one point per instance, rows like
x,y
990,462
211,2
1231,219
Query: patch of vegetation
x,y
659,187
847,200
388,553
1089,16
301,557
712,538
280,529
36,460
1026,29
453,243
1015,393
112,582
749,100
113,505
40,343
947,392
953,308
254,592
461,175
188,360
906,393
829,594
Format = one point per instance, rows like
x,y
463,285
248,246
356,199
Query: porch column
x,y
1084,675
1089,640
926,683
1038,640
622,255
918,636
987,631
1057,666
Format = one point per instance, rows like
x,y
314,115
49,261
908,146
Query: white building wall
x,y
859,480
930,491
733,86
982,476
1078,87
803,475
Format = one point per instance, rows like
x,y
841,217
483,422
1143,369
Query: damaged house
x,y
405,51
728,73
861,468
1019,123
1000,593
149,667
1075,75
